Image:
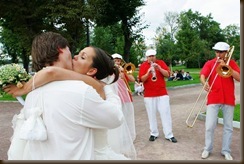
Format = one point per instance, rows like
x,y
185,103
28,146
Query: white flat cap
x,y
117,56
150,52
221,46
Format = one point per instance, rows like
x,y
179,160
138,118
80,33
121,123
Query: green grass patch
x,y
195,80
191,70
7,97
236,113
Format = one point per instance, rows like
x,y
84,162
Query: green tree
x,y
138,51
73,19
232,37
109,38
70,18
165,39
20,23
195,38
124,12
10,46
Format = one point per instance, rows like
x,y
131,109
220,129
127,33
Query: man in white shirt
x,y
70,109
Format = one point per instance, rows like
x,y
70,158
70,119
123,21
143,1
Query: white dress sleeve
x,y
99,113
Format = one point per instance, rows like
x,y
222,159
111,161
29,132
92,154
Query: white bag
x,y
33,128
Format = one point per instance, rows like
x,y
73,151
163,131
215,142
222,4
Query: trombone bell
x,y
129,68
225,70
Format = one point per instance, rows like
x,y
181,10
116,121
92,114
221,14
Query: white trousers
x,y
159,104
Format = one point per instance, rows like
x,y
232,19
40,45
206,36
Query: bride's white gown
x,y
121,90
119,138
19,148
103,151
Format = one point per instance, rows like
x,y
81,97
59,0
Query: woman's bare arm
x,y
50,74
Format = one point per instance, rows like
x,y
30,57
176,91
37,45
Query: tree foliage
x,y
232,36
196,37
124,12
117,27
109,38
22,20
191,36
165,39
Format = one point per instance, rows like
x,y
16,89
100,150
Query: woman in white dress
x,y
122,88
89,61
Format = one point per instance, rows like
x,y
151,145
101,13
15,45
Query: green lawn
x,y
6,97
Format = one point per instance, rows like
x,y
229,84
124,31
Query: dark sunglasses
x,y
220,52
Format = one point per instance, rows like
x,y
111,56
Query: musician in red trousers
x,y
221,95
153,73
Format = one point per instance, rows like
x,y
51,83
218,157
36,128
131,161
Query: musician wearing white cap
x,y
118,59
153,73
121,87
221,95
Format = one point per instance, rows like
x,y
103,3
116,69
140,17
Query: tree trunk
x,y
26,60
127,40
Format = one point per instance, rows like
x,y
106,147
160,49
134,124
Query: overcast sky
x,y
225,12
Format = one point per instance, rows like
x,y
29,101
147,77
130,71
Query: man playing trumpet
x,y
221,95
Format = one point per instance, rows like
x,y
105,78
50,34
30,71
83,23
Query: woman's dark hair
x,y
45,49
105,65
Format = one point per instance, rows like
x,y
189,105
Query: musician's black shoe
x,y
152,138
172,139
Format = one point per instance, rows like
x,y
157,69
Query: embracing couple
x,y
70,106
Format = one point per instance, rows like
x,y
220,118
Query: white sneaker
x,y
205,154
228,156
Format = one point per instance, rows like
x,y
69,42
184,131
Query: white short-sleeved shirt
x,y
70,110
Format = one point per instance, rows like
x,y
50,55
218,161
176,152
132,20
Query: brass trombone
x,y
129,68
223,71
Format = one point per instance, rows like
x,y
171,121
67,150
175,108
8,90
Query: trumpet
x,y
223,71
154,77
